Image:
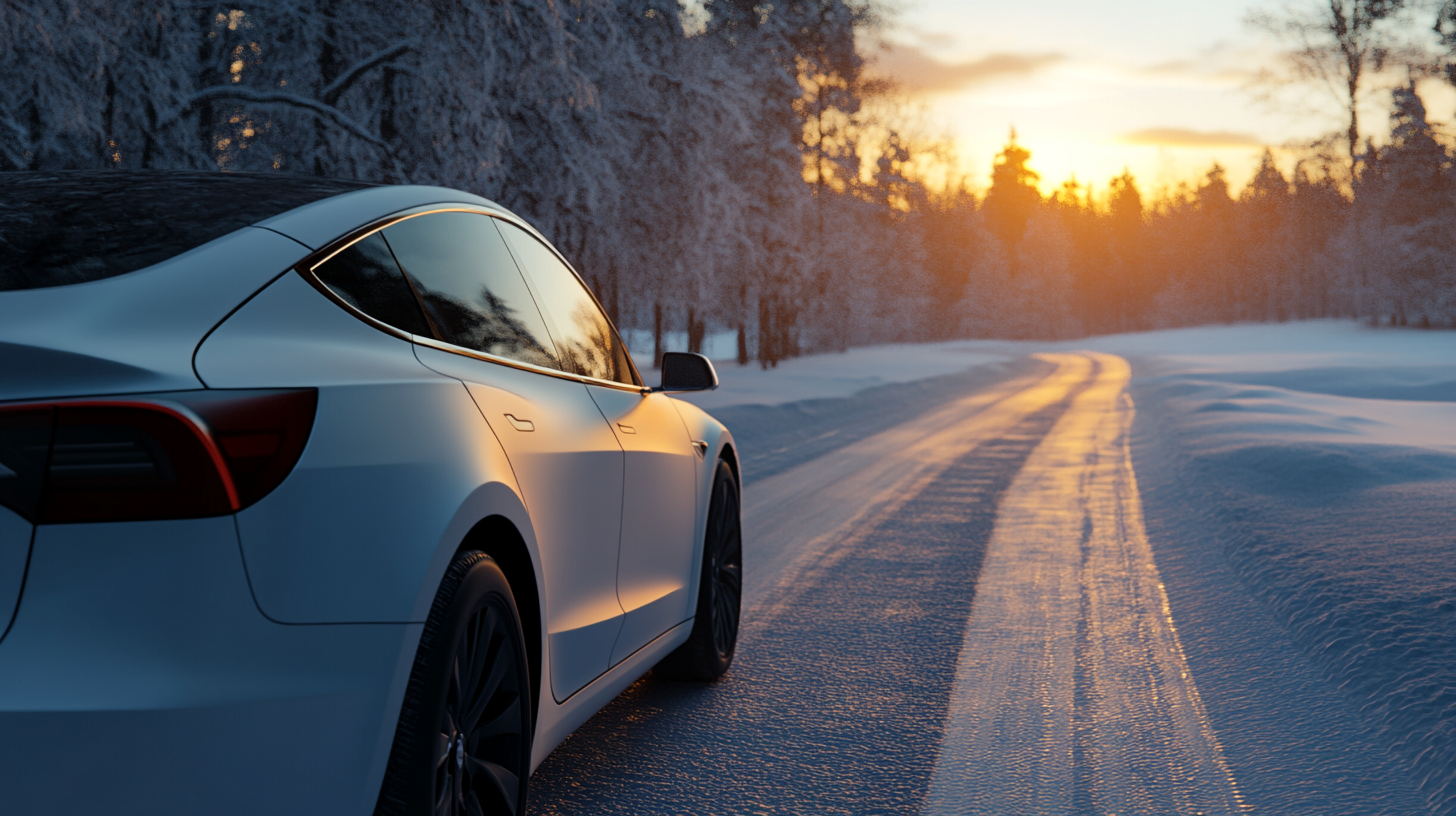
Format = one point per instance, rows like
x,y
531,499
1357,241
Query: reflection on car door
x,y
566,461
655,567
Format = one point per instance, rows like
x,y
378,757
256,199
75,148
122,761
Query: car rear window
x,y
73,226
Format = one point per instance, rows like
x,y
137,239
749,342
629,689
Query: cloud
x,y
929,38
1183,137
1214,66
920,71
1174,67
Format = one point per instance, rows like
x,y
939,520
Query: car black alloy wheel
x,y
709,650
726,565
463,743
480,730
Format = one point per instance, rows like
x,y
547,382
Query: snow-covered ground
x,y
1300,485
1331,381
1322,356
835,375
1316,463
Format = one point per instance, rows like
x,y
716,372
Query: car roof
x,y
318,224
77,226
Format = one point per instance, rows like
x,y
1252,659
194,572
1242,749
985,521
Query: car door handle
x,y
524,425
626,428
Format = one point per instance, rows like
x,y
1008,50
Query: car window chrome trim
x,y
620,386
430,342
306,267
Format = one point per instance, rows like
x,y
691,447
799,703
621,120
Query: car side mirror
x,y
685,371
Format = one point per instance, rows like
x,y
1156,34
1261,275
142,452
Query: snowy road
x,y
1072,694
962,614
909,647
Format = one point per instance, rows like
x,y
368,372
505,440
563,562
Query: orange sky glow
x,y
1161,89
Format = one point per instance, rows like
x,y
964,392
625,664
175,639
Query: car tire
x,y
463,743
709,650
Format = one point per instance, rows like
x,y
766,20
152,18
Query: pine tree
x,y
1126,283
1263,204
1414,166
1396,256
1013,196
1268,187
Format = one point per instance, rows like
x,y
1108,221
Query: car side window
x,y
472,292
367,278
585,339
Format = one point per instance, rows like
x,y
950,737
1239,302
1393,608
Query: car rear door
x,y
566,461
655,566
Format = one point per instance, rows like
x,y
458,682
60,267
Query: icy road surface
x,y
1072,694
960,613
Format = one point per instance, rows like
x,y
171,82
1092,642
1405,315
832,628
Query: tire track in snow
x,y
1072,694
792,519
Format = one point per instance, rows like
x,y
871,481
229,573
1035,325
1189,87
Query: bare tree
x,y
1339,45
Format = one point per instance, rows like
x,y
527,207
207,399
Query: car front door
x,y
655,566
567,462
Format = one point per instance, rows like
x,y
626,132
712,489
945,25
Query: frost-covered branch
x,y
330,95
246,94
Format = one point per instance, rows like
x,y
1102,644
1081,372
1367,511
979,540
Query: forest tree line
x,y
718,168
1378,245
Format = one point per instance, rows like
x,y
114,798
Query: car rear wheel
x,y
709,650
463,744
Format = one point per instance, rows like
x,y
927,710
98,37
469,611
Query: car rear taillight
x,y
261,434
25,442
121,461
162,456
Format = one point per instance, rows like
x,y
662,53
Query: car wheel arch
x,y
498,537
727,454
493,519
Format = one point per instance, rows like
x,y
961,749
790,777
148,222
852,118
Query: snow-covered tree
x,y
1397,254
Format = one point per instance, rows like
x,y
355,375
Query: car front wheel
x,y
709,650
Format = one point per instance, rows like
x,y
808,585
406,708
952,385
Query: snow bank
x,y
1321,459
1281,346
837,375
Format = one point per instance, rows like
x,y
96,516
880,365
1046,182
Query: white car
x,y
326,498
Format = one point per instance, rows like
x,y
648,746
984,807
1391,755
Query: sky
x,y
1157,87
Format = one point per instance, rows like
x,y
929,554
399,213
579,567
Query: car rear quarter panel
x,y
15,533
399,466
139,646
